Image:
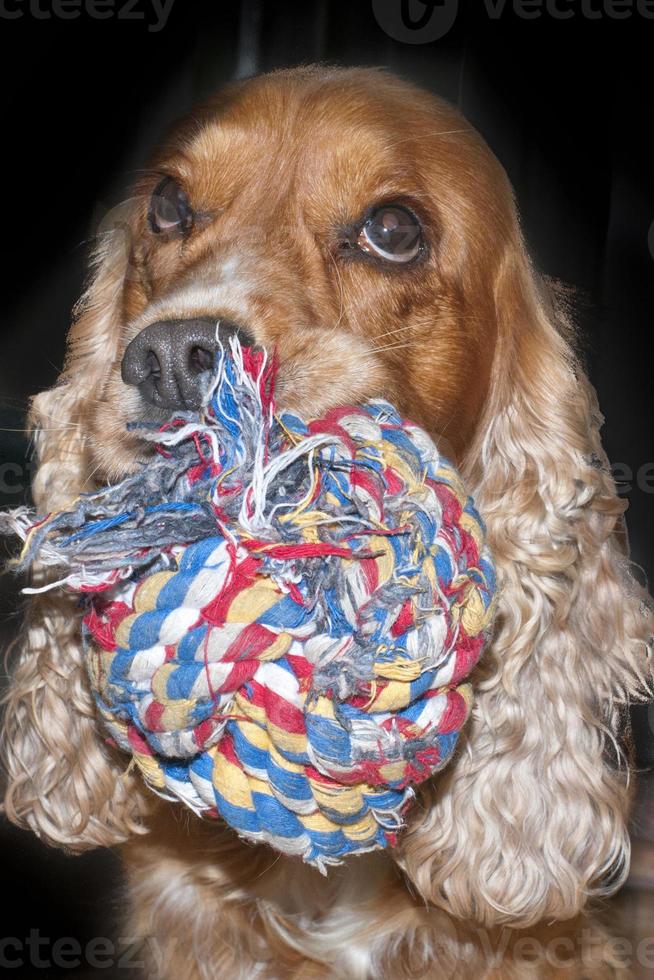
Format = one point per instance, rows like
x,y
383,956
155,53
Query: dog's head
x,y
363,230
356,225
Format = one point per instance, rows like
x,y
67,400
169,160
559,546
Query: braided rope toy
x,y
280,614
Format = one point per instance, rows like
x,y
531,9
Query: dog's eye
x,y
170,209
391,233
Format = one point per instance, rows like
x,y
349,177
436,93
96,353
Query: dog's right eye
x,y
170,210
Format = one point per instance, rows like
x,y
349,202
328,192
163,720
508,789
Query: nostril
x,y
200,359
152,365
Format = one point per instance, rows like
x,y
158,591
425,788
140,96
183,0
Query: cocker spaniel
x,y
362,229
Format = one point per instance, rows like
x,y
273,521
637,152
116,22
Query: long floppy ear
x,y
531,819
62,781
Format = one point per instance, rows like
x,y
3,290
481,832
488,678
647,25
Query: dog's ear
x,y
58,416
62,781
530,820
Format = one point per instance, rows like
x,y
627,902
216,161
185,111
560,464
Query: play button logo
x,y
415,21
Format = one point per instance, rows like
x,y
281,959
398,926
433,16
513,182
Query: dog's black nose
x,y
166,359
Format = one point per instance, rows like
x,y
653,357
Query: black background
x,y
566,104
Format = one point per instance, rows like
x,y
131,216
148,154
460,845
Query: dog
x,y
363,230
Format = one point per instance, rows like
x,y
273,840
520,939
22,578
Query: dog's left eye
x,y
170,209
391,233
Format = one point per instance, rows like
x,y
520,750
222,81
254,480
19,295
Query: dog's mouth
x,y
168,365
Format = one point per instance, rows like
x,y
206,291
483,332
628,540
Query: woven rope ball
x,y
281,615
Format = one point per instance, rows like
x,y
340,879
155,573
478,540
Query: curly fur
x,y
531,823
62,782
530,820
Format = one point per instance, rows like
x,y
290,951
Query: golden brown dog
x,y
363,229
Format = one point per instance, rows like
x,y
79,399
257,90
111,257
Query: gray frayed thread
x,y
126,526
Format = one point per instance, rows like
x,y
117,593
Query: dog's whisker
x,y
403,345
441,319
95,470
28,431
390,333
60,425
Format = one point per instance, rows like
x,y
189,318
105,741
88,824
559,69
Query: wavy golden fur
x,y
529,821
